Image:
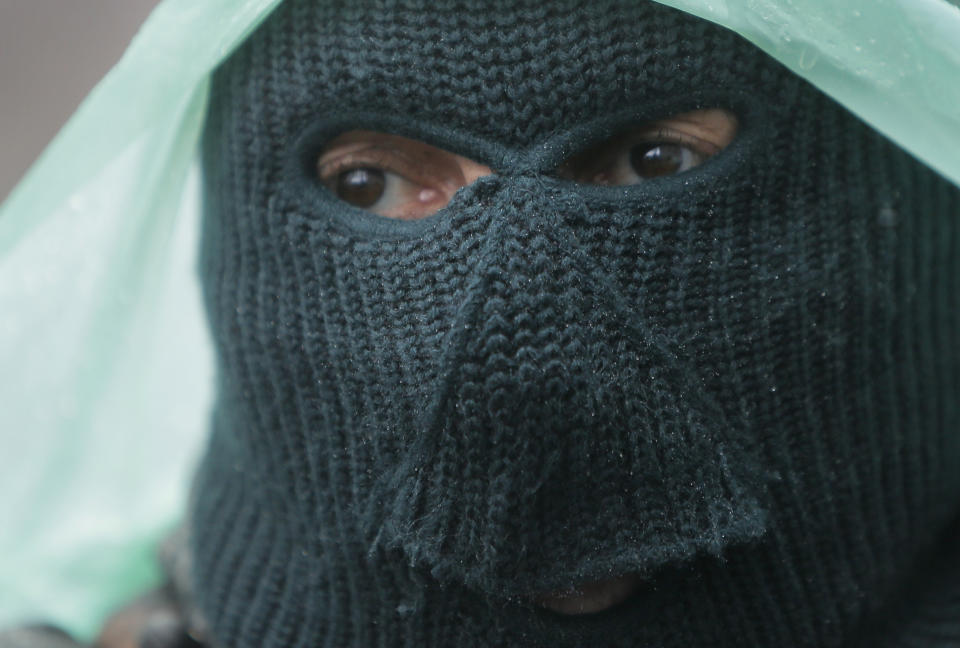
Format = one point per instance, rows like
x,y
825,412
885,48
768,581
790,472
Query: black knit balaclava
x,y
738,383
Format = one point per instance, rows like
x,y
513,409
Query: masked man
x,y
563,324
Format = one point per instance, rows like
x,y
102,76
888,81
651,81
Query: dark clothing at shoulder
x,y
37,637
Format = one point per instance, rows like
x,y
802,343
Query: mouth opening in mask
x,y
591,597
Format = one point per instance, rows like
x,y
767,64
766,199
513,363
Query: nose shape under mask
x,y
565,426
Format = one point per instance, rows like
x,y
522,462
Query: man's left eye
x,y
662,159
663,148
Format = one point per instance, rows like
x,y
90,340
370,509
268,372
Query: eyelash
x,y
388,160
596,165
670,136
392,162
667,136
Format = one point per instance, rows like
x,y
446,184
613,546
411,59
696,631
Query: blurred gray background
x,y
52,53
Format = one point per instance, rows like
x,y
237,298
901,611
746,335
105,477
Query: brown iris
x,y
361,187
657,160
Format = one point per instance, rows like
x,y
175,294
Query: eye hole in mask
x,y
394,176
405,179
654,150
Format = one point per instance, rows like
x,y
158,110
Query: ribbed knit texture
x,y
740,382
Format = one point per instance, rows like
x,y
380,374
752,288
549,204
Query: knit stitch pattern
x,y
739,382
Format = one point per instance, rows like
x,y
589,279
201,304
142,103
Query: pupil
x,y
361,187
655,161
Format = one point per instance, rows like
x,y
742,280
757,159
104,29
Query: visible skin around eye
x,y
660,148
394,176
405,179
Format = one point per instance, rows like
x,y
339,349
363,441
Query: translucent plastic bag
x,y
895,63
106,367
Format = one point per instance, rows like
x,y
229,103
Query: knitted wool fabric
x,y
738,382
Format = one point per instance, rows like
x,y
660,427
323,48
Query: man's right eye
x,y
384,192
393,176
362,187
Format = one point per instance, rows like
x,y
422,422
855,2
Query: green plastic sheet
x,y
106,377
895,63
106,372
